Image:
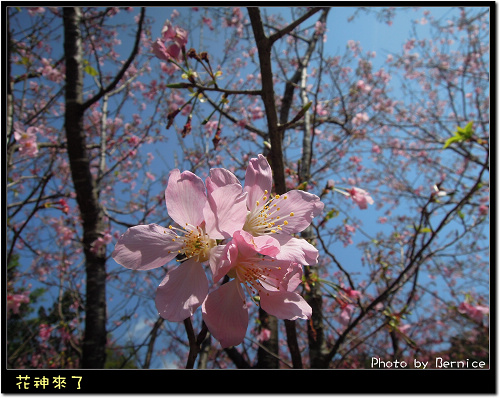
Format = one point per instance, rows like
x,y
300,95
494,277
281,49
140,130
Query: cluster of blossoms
x,y
244,234
475,312
26,139
170,46
14,302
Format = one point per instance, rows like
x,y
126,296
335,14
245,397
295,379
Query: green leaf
x,y
331,214
466,132
461,134
451,140
25,61
91,71
302,186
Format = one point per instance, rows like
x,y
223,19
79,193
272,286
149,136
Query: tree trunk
x,y
265,356
315,328
315,332
94,342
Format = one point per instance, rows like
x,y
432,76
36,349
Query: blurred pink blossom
x,y
345,315
264,335
26,139
44,332
173,40
14,301
476,312
360,197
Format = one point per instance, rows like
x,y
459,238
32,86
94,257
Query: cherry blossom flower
x,y
64,206
376,149
242,232
279,215
351,293
346,313
44,332
361,85
360,197
166,53
175,37
360,118
26,139
50,72
64,234
248,260
145,247
14,301
264,335
208,22
101,241
35,10
484,210
476,312
174,33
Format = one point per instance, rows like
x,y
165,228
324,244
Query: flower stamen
x,y
195,242
267,218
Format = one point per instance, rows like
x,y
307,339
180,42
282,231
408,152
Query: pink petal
x,y
226,315
168,31
185,198
174,50
298,208
293,277
361,197
159,50
181,37
258,179
224,261
145,247
483,309
285,305
182,291
220,177
217,255
228,204
211,222
249,245
281,275
297,250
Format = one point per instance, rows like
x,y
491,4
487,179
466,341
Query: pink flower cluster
x,y
244,234
44,332
345,299
14,301
101,241
170,46
475,312
26,139
51,73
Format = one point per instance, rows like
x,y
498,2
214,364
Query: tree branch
x,y
124,68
